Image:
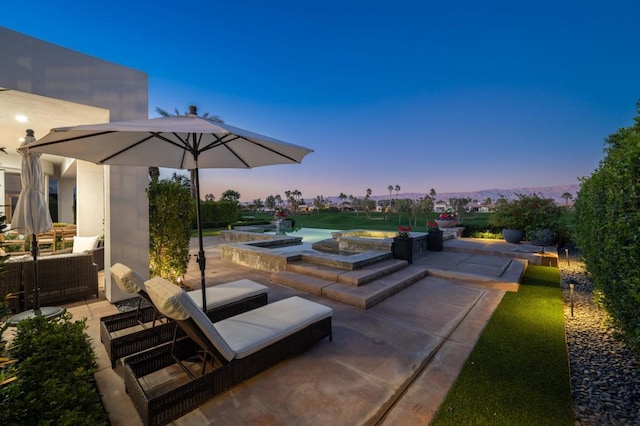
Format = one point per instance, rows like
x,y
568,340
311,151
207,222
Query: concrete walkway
x,y
391,364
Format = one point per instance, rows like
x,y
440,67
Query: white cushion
x,y
81,244
224,294
127,279
174,303
251,331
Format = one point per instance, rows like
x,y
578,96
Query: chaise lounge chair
x,y
120,338
232,350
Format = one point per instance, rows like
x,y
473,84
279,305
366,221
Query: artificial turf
x,y
518,372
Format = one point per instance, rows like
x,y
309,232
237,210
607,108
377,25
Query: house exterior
x,y
42,86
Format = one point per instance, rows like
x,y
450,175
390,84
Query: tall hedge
x,y
218,214
171,209
608,229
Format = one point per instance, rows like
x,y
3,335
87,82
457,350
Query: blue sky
x,y
457,97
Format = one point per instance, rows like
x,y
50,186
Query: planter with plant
x,y
447,220
403,244
435,236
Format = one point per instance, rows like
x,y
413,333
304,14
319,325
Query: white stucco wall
x,y
117,194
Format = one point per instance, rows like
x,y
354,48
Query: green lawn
x,y
518,372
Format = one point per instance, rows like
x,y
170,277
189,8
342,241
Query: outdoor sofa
x,y
62,278
130,332
231,351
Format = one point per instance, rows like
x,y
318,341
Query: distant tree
x,y
426,204
432,194
257,204
209,197
458,205
287,194
278,198
366,205
230,195
318,202
567,196
487,201
270,202
403,207
342,198
397,188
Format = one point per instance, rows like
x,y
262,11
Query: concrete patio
x,y
390,364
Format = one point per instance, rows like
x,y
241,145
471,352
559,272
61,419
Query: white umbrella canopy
x,y
167,142
178,142
32,211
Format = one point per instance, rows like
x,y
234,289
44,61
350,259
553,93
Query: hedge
x,y
607,229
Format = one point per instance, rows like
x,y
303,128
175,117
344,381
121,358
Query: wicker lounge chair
x,y
231,351
126,333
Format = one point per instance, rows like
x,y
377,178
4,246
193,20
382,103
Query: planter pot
x,y
403,249
513,236
543,237
446,223
434,240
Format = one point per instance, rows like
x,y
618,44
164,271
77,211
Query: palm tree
x,y
287,194
397,188
366,202
342,197
567,196
278,198
154,170
432,194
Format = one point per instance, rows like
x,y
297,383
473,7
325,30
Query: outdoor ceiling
x,y
40,114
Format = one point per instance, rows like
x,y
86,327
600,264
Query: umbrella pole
x,y
201,258
36,282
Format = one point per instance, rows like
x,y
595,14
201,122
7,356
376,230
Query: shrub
x,y
607,223
529,213
170,210
54,376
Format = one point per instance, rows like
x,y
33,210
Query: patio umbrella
x,y
178,142
32,216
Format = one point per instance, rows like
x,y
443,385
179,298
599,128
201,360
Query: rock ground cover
x,y
605,378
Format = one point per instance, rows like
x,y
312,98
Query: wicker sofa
x,y
62,277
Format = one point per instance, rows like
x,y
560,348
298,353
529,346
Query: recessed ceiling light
x,y
21,118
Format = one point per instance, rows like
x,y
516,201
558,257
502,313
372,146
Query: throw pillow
x,y
81,244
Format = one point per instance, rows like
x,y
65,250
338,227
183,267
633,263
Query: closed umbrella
x,y
32,216
178,142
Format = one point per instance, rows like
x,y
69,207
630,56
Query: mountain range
x,y
554,192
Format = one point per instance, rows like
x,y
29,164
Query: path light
x,y
566,253
571,286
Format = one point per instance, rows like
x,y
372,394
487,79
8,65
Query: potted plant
x,y
447,220
403,244
527,216
280,214
435,236
509,215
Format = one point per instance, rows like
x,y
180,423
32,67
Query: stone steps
x,y
386,280
356,277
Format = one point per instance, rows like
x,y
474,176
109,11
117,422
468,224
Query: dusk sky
x,y
455,96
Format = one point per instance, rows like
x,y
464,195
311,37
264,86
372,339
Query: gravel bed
x,y
605,379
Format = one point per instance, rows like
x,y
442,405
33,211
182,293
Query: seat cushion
x,y
127,279
174,303
251,331
226,293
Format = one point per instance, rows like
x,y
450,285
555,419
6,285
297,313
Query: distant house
x,y
477,207
440,206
